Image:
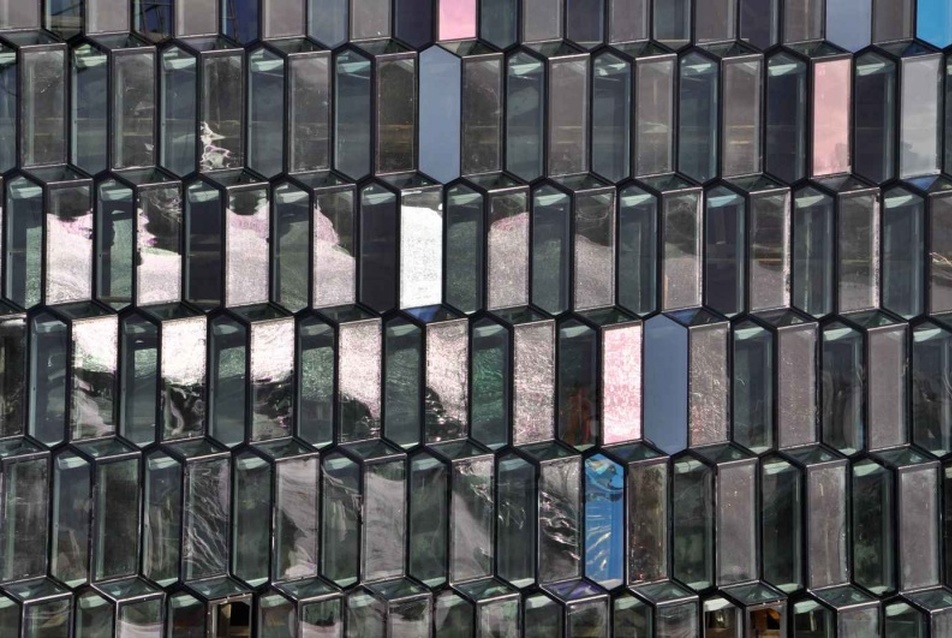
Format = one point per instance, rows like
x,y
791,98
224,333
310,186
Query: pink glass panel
x,y
621,387
457,19
831,117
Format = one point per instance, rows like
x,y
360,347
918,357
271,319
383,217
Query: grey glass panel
x,y
672,22
637,250
507,251
725,251
919,126
13,381
498,23
648,513
93,385
873,540
252,519
482,115
697,117
743,86
134,110
843,388
888,382
736,522
183,366
266,95
26,499
759,22
803,20
396,115
20,15
709,397
223,116
334,280
917,527
533,406
352,100
813,252
383,521
116,532
72,484
369,19
785,152
207,520
246,253
551,216
341,512
446,400
781,525
796,388
654,116
199,17
282,18
179,117
464,234
114,243
827,526
524,115
378,265
716,20
594,242
874,115
628,20
560,530
413,22
681,245
611,117
693,523
403,348
490,377
753,401
327,21
90,95
568,98
516,523
8,108
858,252
152,19
49,348
227,377
940,264
893,20
931,385
43,107
541,20
579,410
585,23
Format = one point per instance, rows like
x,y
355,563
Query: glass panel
x,y
551,214
207,520
743,85
753,404
843,388
90,73
813,252
179,118
525,86
693,521
568,116
786,112
932,388
872,541
396,115
266,111
43,107
781,526
874,110
697,116
223,116
831,117
134,109
681,261
309,115
724,252
464,236
116,517
611,117
921,86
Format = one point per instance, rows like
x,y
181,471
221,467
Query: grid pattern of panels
x,y
489,318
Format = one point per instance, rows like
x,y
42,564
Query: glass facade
x,y
475,318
